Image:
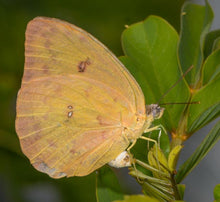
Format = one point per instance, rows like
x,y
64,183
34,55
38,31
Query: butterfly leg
x,y
158,127
157,143
133,160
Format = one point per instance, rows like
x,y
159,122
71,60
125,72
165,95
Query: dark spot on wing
x,y
83,65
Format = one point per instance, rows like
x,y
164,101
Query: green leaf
x,y
211,68
173,157
9,142
210,140
209,42
19,176
155,192
178,201
162,185
208,109
208,95
181,190
107,186
155,158
195,23
217,192
150,55
138,198
216,44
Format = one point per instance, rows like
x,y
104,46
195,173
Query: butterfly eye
x,y
158,109
154,110
158,112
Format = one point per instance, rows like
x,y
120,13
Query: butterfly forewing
x,y
55,47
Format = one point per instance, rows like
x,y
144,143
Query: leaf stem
x,y
175,189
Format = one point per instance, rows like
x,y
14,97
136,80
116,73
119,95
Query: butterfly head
x,y
155,111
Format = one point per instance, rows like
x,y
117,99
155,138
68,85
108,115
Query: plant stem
x,y
175,189
176,140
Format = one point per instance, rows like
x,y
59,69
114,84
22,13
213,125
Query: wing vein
x,y
37,131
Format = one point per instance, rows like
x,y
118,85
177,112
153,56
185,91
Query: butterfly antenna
x,y
180,79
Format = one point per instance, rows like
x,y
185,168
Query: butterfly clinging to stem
x,y
78,107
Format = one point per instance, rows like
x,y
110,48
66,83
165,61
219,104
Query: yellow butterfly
x,y
78,107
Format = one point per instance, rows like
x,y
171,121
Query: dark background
x,y
105,20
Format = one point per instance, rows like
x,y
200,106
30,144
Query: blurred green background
x,y
19,181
